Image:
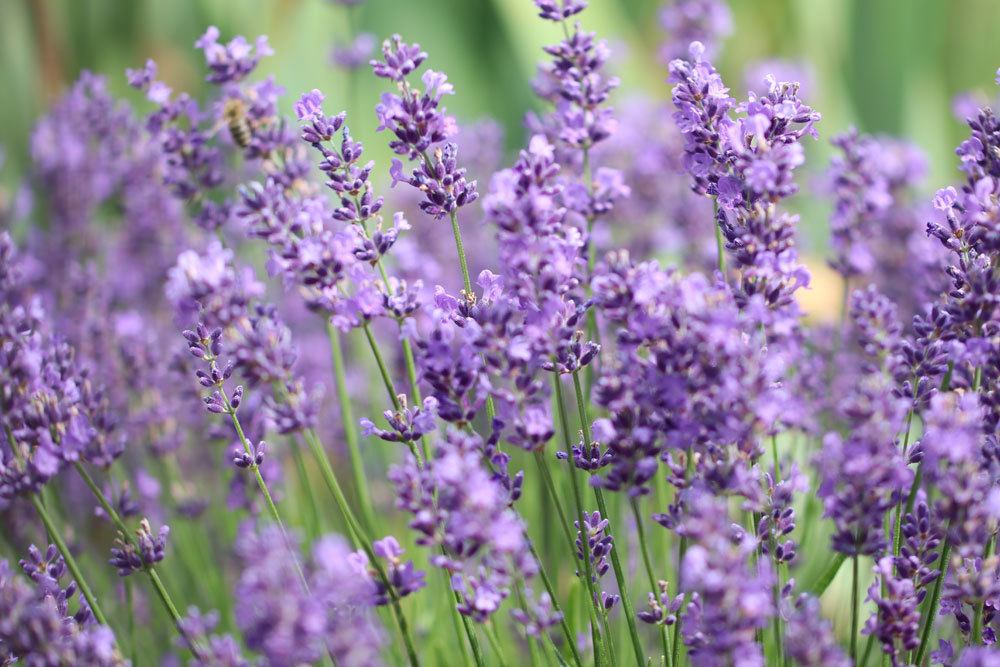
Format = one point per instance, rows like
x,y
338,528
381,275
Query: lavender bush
x,y
266,401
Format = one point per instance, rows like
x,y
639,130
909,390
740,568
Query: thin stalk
x,y
647,563
581,514
466,283
126,534
71,564
350,426
262,485
567,633
470,634
303,474
681,550
489,629
360,537
383,369
633,631
854,608
460,249
931,609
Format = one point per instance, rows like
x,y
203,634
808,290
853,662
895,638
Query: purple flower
x,y
232,62
559,10
130,555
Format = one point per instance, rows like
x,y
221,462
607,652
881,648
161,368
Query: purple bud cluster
x,y
419,125
145,551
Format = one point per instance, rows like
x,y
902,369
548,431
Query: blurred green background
x,y
890,66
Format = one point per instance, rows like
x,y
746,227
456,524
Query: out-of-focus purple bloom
x,y
459,508
35,628
864,473
684,21
355,54
559,10
809,638
403,577
288,626
213,650
729,598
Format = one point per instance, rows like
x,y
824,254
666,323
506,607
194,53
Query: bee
x,y
234,113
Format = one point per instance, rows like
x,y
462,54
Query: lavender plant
x,y
704,459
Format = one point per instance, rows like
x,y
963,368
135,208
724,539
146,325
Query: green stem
x,y
126,534
567,633
303,474
489,629
350,426
383,369
360,537
262,485
647,563
581,407
582,516
931,609
460,249
71,564
854,608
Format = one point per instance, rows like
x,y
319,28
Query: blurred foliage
x,y
889,66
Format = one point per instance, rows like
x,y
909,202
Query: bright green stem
x,y
720,246
265,492
383,369
854,608
460,249
126,534
303,474
581,514
64,551
567,633
633,631
648,564
467,286
350,426
360,537
932,605
489,629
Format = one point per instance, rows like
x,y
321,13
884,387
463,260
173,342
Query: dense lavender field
x,y
267,402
